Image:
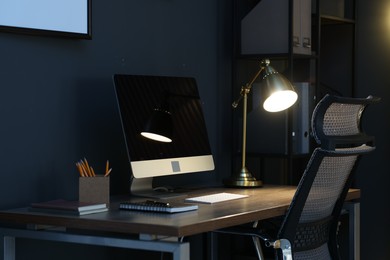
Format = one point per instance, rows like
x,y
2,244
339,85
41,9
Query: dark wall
x,y
57,102
373,59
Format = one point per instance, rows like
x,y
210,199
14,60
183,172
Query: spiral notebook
x,y
157,206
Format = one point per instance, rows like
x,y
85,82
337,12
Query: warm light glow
x,y
156,137
386,24
280,100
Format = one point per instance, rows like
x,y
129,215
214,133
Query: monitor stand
x,y
144,188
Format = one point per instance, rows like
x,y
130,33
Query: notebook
x,y
157,206
61,206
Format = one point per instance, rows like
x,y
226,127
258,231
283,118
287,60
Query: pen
x,y
107,173
80,169
87,167
83,167
85,170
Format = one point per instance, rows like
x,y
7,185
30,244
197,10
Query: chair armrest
x,y
247,231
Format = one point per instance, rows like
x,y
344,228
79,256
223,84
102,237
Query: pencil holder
x,y
94,189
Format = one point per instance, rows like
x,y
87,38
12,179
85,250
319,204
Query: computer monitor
x,y
189,152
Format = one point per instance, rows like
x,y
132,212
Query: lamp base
x,y
243,179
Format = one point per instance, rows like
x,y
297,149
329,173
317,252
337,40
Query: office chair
x,y
309,228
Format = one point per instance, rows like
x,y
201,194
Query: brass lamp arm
x,y
247,88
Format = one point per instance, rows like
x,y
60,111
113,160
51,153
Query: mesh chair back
x,y
337,121
313,214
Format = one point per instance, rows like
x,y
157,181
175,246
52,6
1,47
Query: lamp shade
x,y
159,126
280,93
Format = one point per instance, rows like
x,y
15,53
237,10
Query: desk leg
x,y
354,229
8,248
179,250
211,245
182,252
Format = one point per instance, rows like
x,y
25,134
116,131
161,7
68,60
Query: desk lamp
x,y
280,95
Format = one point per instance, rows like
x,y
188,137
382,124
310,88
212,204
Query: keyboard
x,y
215,198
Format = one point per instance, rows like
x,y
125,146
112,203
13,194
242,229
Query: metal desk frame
x,y
161,233
179,250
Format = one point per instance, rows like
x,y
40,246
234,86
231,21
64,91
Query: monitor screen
x,y
138,96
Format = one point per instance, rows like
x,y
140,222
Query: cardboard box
x,y
94,189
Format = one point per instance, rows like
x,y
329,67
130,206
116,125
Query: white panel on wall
x,y
69,16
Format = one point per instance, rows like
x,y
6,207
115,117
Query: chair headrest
x,y
336,121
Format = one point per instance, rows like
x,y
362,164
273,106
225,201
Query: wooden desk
x,y
262,203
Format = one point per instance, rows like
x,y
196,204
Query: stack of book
x,y
68,207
